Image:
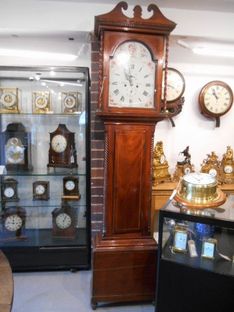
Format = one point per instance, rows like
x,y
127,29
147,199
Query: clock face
x,y
40,189
8,99
41,101
9,192
63,221
175,85
13,222
217,98
213,172
132,76
14,151
59,143
228,169
70,101
70,185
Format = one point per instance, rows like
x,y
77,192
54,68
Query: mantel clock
x,y
62,151
132,54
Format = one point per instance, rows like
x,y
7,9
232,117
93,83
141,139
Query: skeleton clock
x,y
132,52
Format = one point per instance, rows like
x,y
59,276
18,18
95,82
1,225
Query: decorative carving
x,y
211,165
227,167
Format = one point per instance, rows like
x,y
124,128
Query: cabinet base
x,y
123,270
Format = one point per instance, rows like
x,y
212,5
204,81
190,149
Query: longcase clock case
x,y
44,141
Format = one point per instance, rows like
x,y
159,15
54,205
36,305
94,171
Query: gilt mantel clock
x,y
132,52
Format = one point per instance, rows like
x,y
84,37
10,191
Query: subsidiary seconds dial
x,y
132,76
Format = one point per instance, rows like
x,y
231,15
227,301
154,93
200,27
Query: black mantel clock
x,y
62,151
16,152
132,54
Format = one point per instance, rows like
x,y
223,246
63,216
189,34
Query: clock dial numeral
x,y
132,70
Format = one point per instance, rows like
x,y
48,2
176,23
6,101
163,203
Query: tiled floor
x,y
60,292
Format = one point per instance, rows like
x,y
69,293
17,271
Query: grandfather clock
x,y
132,52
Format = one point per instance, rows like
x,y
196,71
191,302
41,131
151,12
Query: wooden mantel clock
x,y
132,52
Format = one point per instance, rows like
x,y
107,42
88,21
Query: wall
x,y
48,25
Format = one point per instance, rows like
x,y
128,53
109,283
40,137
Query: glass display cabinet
x,y
44,169
196,259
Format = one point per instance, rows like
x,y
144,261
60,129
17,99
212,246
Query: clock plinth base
x,y
161,174
124,270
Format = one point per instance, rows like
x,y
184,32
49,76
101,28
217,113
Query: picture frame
x,y
208,248
180,240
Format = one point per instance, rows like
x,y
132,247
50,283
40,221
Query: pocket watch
x,y
41,190
9,190
71,187
14,220
41,102
64,221
175,84
215,100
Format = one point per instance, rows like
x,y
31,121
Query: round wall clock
x,y
175,84
215,100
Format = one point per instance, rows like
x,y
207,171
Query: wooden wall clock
x,y
16,152
215,100
130,87
62,151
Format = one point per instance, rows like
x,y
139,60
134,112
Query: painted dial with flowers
x,y
132,76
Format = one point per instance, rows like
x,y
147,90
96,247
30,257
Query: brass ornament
x,y
160,165
227,167
183,165
211,165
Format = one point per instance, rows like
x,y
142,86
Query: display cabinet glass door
x,y
44,143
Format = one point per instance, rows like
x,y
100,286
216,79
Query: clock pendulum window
x,y
130,89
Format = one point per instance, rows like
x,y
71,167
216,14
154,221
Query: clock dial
x,y
8,99
63,221
41,101
40,189
175,85
13,222
69,101
70,185
59,143
228,169
14,151
132,76
216,98
213,172
9,192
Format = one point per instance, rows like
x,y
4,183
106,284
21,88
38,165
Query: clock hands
x,y
214,94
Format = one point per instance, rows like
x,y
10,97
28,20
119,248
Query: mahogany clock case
x,y
40,191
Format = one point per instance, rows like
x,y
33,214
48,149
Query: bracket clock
x,y
132,52
14,221
64,222
16,152
62,151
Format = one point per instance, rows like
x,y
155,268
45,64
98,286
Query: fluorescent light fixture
x,y
37,54
214,51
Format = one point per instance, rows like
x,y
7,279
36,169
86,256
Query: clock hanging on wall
x,y
215,100
16,152
62,151
130,88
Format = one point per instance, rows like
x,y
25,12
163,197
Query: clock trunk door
x,y
128,180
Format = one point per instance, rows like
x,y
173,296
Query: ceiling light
x,y
37,54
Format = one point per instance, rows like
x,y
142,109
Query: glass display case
x,y
44,169
196,259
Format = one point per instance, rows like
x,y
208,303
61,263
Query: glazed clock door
x,y
132,73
